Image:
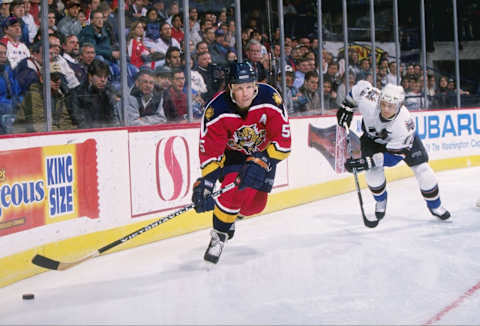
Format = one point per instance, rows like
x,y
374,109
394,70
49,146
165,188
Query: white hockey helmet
x,y
393,95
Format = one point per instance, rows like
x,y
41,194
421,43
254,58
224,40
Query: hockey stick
x,y
49,263
367,222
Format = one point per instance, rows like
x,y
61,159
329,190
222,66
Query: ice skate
x,y
440,212
380,208
215,247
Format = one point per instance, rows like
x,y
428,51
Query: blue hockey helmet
x,y
241,72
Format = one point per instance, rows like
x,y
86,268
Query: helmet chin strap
x,y
233,98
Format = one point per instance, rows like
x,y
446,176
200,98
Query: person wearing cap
x,y
244,134
217,49
16,50
17,9
70,25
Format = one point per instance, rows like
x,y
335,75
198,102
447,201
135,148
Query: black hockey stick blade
x,y
45,262
52,264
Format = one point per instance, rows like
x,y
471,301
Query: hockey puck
x,y
28,296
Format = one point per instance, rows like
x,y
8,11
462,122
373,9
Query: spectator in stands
x,y
291,94
209,36
159,5
175,100
17,9
217,49
410,74
137,52
162,79
110,21
52,27
392,73
329,96
177,28
332,75
172,10
4,13
136,10
71,53
405,84
195,36
308,101
173,58
145,105
165,40
29,20
231,56
382,76
431,86
342,89
96,34
201,47
253,53
94,104
204,66
303,67
152,27
68,75
70,25
16,50
10,97
364,69
414,98
31,116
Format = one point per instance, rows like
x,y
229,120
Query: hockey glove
x,y
360,164
202,190
345,112
254,172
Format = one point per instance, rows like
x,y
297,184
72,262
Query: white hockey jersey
x,y
396,134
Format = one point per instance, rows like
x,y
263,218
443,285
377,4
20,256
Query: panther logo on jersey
x,y
247,139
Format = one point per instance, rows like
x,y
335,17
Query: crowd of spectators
x,y
84,62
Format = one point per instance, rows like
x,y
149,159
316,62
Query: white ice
x,y
312,264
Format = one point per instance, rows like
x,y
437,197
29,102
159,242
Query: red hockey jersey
x,y
264,126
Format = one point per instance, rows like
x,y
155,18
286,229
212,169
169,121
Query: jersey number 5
x,y
286,131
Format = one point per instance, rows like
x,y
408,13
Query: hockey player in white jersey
x,y
388,137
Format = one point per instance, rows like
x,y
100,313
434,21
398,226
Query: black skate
x,y
380,208
215,247
440,212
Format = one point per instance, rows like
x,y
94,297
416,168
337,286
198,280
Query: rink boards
x,y
67,194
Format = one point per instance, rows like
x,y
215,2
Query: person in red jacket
x,y
244,133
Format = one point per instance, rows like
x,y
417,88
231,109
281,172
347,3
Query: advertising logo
x,y
172,168
47,184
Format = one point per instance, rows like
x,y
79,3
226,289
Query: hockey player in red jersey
x,y
244,134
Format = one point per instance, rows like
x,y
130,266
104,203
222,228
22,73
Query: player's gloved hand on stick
x,y
202,190
360,164
345,112
254,172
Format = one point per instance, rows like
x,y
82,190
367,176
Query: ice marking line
x,y
453,305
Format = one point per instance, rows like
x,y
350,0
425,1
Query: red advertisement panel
x,y
48,184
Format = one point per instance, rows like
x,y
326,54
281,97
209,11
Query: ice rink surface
x,y
314,264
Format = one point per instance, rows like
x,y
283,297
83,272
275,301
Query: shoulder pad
x,y
216,107
268,95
